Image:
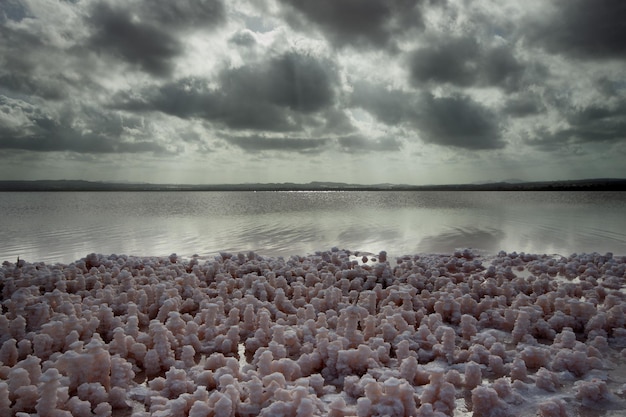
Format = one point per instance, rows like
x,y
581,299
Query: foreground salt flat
x,y
337,333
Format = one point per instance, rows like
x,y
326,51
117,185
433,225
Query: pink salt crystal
x,y
26,398
138,353
486,403
409,370
188,356
117,398
468,326
448,341
31,364
473,375
18,377
518,370
535,357
99,363
191,336
289,368
48,393
93,392
600,343
103,410
498,349
522,326
121,372
223,406
17,327
152,364
502,387
8,352
119,344
565,339
337,408
439,393
42,345
157,384
352,386
306,408
161,344
5,402
553,408
349,319
454,377
79,407
200,409
370,327
24,348
176,383
575,362
546,380
264,363
593,393
496,365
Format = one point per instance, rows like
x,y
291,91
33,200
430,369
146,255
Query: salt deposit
x,y
337,333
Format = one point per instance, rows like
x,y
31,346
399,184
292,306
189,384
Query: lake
x,y
66,226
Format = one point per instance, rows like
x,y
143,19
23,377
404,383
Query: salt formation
x,y
335,334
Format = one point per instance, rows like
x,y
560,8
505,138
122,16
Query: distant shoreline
x,y
609,184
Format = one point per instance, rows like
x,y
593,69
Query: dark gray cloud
x,y
273,95
522,105
13,10
460,122
454,61
596,124
358,143
18,61
144,45
464,62
358,22
611,87
390,106
49,88
258,143
243,38
587,29
107,76
299,82
456,121
350,144
184,13
43,132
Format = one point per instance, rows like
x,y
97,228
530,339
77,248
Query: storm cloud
x,y
143,44
387,91
359,22
582,29
456,121
459,121
34,130
463,62
271,95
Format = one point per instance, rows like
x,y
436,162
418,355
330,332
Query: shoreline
x,y
335,333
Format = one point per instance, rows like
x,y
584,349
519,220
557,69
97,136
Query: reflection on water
x,y
67,226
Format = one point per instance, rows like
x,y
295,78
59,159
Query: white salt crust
x,y
337,333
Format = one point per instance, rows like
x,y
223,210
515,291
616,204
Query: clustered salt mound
x,y
331,334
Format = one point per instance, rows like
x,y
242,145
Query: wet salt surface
x,y
336,333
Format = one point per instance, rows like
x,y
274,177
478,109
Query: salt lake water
x,y
66,226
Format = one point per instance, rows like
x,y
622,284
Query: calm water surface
x,y
64,227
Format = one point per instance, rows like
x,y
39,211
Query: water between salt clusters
x,y
63,227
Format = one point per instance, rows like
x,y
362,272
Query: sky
x,y
358,91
